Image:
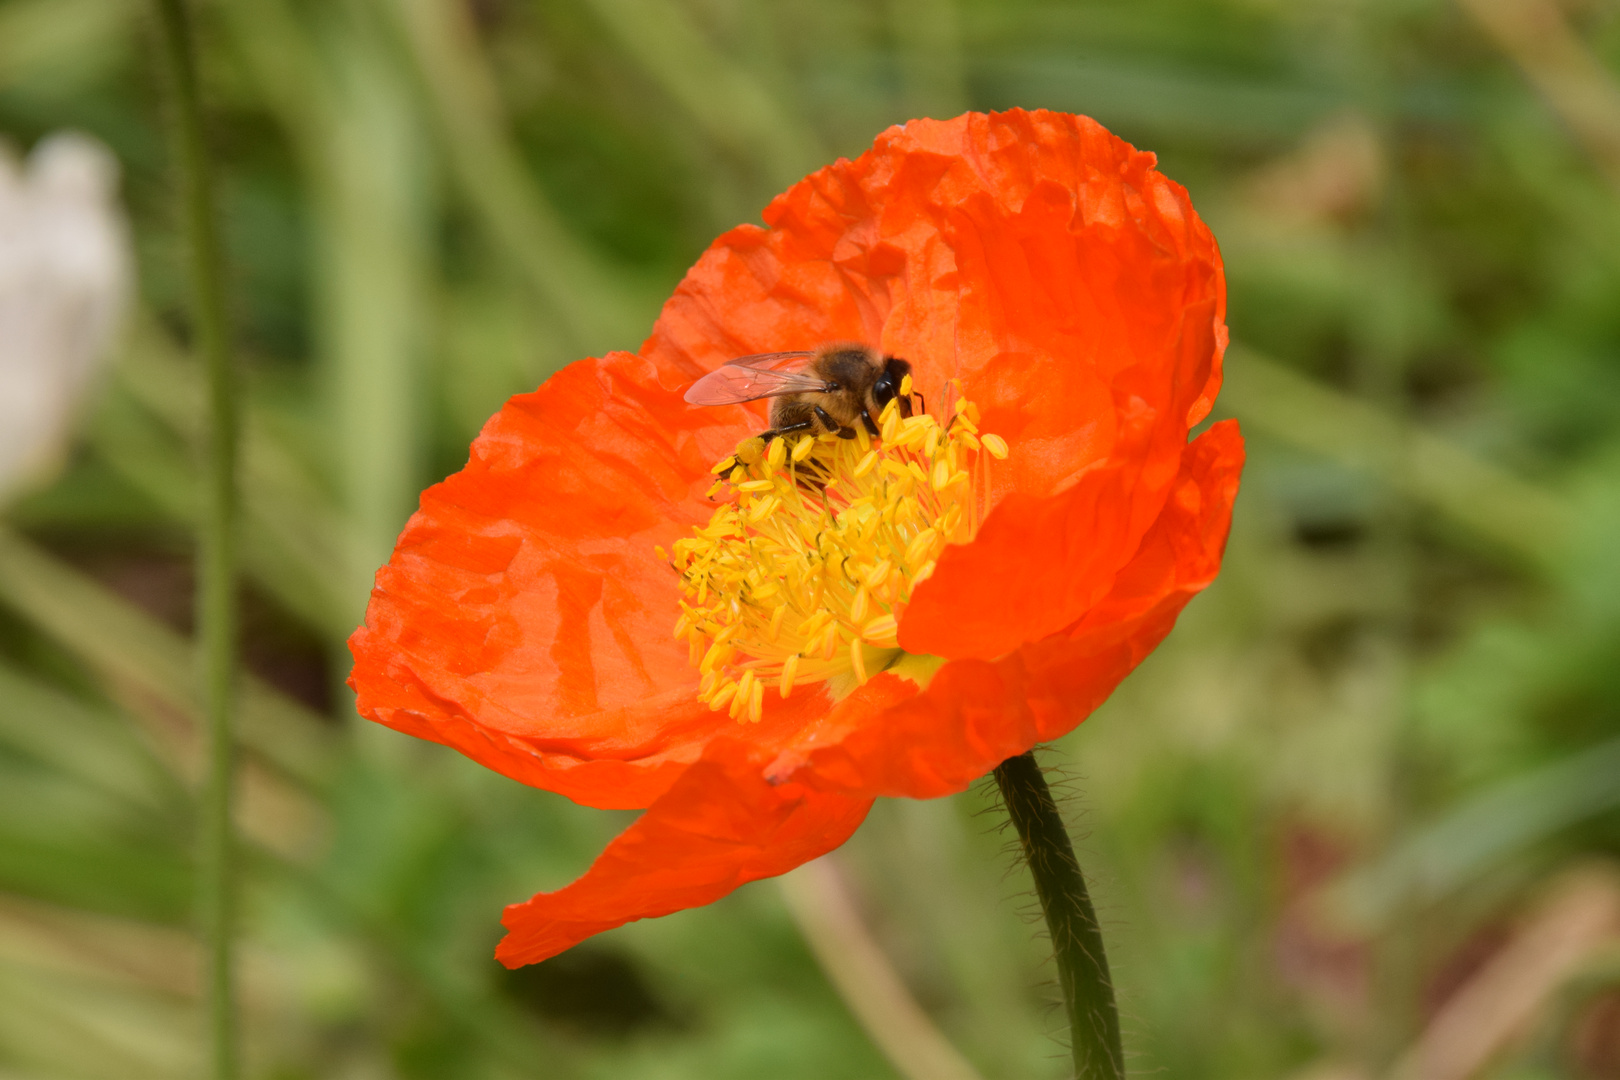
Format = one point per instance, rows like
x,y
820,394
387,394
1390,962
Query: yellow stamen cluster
x,y
802,574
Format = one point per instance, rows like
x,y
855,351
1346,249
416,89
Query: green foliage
x,y
1360,756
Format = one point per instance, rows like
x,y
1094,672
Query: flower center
x,y
801,575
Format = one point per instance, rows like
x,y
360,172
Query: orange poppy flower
x,y
586,608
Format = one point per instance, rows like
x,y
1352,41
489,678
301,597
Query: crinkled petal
x,y
1051,268
990,596
977,713
525,618
720,826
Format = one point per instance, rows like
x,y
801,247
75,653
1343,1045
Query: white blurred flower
x,y
65,271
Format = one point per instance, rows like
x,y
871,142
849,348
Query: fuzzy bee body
x,y
827,390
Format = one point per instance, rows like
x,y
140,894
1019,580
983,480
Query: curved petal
x,y
977,713
525,618
720,826
1044,262
973,607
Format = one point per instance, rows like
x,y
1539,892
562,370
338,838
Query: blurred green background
x,y
1360,812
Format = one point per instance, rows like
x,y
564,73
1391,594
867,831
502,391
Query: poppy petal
x,y
525,618
988,597
1049,266
721,825
977,713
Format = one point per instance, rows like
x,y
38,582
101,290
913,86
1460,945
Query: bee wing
x,y
749,378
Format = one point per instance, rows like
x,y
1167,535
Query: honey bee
x,y
826,390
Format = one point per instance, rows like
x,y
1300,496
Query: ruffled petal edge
x,y
721,825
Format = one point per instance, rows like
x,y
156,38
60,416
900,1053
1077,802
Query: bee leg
x,y
832,425
871,428
921,399
787,429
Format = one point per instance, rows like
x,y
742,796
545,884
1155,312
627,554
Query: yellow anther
x,y
921,546
718,653
913,431
797,573
891,422
745,692
996,445
725,464
905,386
812,626
881,630
829,642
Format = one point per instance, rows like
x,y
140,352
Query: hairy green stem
x,y
1088,994
216,547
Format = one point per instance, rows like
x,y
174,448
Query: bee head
x,y
887,385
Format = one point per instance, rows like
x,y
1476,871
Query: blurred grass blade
x,y
122,642
377,214
593,304
727,101
1500,1002
1584,94
294,530
1505,820
95,996
281,550
218,623
90,1030
1525,520
77,739
819,901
